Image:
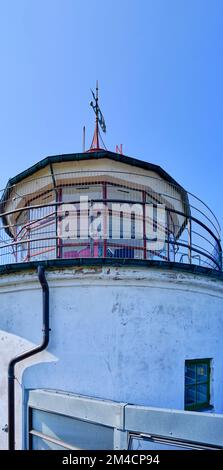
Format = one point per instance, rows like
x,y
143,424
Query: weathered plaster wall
x,y
117,333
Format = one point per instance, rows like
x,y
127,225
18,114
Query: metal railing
x,y
36,220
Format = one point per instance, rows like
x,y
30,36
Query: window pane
x,y
190,396
202,372
197,383
190,374
77,433
202,393
42,444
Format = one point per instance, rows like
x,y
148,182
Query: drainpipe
x,y
25,355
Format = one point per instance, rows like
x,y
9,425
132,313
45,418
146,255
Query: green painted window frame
x,y
198,405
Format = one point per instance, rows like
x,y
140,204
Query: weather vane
x,y
99,116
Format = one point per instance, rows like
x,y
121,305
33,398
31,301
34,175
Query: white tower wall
x,y
120,333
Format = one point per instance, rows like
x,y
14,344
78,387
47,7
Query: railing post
x,y
59,242
105,235
168,235
221,258
28,244
144,225
189,240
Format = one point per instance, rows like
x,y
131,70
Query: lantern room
x,y
101,204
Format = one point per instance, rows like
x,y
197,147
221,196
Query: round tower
x,y
132,262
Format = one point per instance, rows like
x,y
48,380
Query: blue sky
x,y
160,69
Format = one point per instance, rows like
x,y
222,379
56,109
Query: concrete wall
x,y
117,333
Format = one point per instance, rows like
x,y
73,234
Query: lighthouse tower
x,y
111,292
